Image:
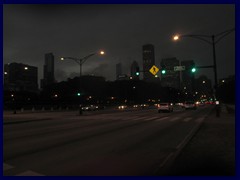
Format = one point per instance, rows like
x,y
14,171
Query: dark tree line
x,y
94,91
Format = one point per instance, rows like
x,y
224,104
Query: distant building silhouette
x,y
134,66
48,70
87,85
226,80
171,78
203,87
148,61
20,77
118,70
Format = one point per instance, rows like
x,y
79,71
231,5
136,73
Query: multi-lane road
x,y
124,142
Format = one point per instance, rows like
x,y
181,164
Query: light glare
x,y
176,37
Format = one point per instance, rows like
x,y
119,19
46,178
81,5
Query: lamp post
x,y
80,61
212,40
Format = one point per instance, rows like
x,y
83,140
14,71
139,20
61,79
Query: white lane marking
x,y
181,143
29,173
187,119
139,118
166,160
120,118
151,118
162,118
190,133
7,167
174,119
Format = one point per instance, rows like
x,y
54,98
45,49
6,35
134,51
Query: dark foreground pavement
x,y
211,152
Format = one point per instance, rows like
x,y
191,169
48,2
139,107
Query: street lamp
x,y
214,39
80,61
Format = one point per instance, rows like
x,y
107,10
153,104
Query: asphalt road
x,y
117,143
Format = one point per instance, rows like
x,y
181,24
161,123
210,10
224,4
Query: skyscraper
x,y
171,78
20,77
148,61
134,67
48,70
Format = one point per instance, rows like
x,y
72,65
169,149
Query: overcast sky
x,y
77,30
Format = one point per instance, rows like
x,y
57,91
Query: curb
x,y
164,167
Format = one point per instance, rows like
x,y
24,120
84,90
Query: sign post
x,y
179,68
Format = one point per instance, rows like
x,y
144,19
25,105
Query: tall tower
x,y
148,61
134,66
48,70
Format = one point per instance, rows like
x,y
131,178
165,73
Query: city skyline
x,y
30,31
121,76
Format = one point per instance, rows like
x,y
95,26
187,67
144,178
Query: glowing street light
x,y
212,40
80,61
175,38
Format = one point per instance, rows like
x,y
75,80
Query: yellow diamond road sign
x,y
154,70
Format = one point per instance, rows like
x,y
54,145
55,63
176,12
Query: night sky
x,y
30,31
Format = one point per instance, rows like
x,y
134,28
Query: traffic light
x,y
163,69
78,94
137,71
193,70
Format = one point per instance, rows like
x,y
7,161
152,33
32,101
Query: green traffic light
x,y
163,71
137,73
79,94
193,70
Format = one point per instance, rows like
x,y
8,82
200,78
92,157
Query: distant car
x,y
136,105
101,107
144,105
122,107
190,105
90,108
165,107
